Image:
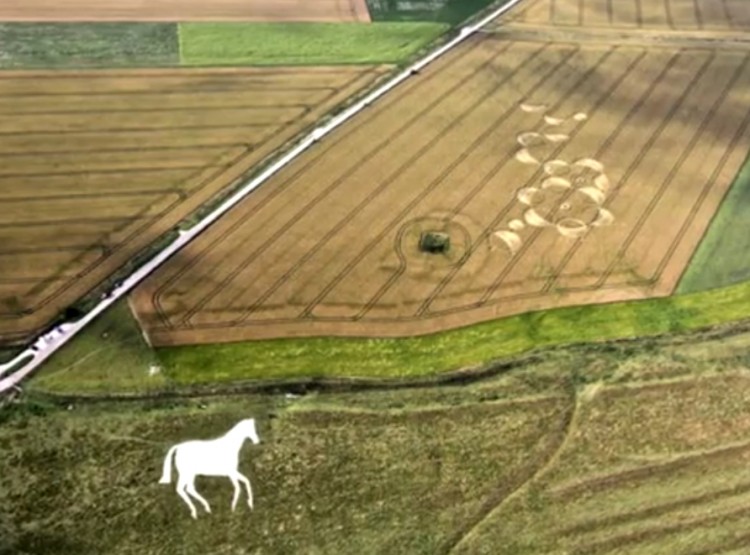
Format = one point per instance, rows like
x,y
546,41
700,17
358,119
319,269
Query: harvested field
x,y
96,165
184,10
88,45
713,15
564,174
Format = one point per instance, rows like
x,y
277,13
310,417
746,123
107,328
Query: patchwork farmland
x,y
563,174
96,165
184,10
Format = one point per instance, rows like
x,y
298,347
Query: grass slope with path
x,y
395,472
650,467
646,450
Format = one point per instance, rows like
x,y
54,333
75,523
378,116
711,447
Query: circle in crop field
x,y
426,266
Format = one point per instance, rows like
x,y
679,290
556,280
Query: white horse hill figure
x,y
214,457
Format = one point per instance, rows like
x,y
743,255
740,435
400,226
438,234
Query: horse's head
x,y
248,430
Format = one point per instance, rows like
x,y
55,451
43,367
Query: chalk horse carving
x,y
214,457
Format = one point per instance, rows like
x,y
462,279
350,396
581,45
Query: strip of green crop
x,y
303,43
723,257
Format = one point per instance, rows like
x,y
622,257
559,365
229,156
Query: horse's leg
x,y
245,481
181,491
192,491
236,484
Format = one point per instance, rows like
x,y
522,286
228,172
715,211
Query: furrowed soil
x,y
185,10
96,165
564,174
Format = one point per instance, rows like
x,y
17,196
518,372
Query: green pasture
x,y
103,45
303,43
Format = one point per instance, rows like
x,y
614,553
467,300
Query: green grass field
x,y
303,43
620,451
31,45
721,258
110,356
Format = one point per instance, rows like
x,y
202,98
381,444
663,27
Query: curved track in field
x,y
322,250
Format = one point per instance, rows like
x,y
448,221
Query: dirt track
x,y
184,10
95,165
330,245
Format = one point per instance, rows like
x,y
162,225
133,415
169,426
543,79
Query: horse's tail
x,y
166,476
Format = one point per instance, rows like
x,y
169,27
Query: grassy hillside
x,y
626,451
395,472
721,258
30,45
452,12
303,43
646,468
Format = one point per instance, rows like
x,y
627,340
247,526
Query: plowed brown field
x,y
646,14
565,174
184,10
95,165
